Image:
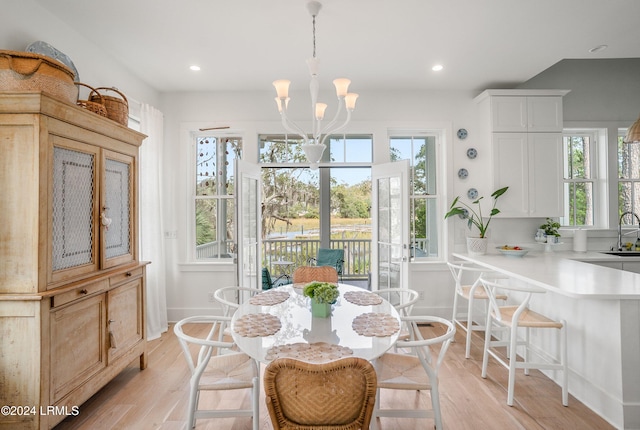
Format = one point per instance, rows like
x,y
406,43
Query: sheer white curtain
x,y
151,219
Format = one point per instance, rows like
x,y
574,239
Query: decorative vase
x,y
322,310
541,236
477,245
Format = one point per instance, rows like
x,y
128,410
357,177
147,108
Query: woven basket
x,y
26,71
90,105
117,108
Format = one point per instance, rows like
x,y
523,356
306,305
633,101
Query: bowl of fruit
x,y
512,251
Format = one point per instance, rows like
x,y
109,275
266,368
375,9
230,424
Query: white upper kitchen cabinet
x,y
525,131
526,114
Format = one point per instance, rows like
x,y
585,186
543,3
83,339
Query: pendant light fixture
x,y
314,146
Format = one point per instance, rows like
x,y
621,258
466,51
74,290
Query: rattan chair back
x,y
306,274
337,395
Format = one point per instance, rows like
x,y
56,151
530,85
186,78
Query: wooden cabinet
x,y
525,131
71,285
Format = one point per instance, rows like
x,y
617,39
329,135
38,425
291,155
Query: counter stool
x,y
508,319
470,292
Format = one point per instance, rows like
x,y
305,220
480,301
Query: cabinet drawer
x,y
125,276
79,292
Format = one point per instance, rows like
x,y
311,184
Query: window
x,y
421,151
579,149
628,179
329,207
214,196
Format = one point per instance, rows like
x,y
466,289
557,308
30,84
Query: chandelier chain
x,y
314,36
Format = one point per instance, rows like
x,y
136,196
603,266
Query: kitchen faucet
x,y
620,227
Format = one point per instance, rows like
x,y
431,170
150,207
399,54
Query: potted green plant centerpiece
x,y
323,295
550,228
476,245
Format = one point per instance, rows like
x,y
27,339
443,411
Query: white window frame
x,y
438,197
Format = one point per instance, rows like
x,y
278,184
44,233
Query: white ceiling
x,y
378,44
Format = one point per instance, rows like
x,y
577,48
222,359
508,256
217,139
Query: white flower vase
x,y
477,245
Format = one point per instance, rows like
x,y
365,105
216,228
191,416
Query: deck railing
x,y
357,254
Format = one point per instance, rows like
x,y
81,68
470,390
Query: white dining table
x,y
299,327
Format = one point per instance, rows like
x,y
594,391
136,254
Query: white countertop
x,y
562,273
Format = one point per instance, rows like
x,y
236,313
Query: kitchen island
x,y
602,308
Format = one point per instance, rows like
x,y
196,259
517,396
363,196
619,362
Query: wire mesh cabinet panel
x,y
74,192
116,212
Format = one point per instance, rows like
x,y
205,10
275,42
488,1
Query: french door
x,y
390,220
248,225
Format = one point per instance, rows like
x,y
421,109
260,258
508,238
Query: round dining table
x,y
282,325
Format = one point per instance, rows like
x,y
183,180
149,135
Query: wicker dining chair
x,y
307,274
336,395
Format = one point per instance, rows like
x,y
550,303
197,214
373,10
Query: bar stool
x,y
470,292
508,319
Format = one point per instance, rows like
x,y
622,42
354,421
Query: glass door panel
x,y
390,225
248,225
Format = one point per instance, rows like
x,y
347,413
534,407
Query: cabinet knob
x,y
128,274
83,291
112,321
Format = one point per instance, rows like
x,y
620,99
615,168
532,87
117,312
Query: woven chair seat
x,y
401,372
479,293
228,372
528,318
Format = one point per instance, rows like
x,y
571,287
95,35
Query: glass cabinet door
x,y
74,234
116,209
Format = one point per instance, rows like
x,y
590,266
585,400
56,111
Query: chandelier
x,y
314,147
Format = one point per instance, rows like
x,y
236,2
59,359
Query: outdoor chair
x,y
329,257
268,283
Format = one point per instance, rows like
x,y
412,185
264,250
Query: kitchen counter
x,y
602,308
567,273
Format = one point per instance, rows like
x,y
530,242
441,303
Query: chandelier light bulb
x,y
320,108
282,88
342,86
350,101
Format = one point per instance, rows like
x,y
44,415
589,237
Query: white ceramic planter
x,y
477,245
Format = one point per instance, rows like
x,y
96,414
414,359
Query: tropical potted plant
x,y
550,228
323,295
476,245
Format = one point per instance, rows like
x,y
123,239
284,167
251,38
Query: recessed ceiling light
x,y
437,67
598,48
194,68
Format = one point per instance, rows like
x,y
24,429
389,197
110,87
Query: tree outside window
x,y
422,153
214,197
579,149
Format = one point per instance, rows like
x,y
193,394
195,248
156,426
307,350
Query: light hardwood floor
x,y
156,398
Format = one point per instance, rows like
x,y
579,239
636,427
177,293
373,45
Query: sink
x,y
623,253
